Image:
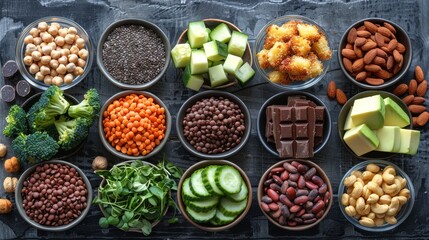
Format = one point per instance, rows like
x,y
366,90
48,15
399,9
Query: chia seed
x,y
133,54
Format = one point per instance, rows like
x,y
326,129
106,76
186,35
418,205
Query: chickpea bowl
x,y
376,196
54,50
292,52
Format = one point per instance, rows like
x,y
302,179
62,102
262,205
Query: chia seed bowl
x,y
144,65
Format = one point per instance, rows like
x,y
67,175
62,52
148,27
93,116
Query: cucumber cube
x,y
181,54
217,76
190,81
197,34
232,63
215,50
221,33
237,44
208,32
218,62
199,63
245,73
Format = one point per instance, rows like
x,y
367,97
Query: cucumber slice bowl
x,y
220,209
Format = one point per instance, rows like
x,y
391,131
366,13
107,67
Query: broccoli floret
x,y
51,104
16,122
72,132
89,107
35,147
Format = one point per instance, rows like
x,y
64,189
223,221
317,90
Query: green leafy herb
x,y
136,194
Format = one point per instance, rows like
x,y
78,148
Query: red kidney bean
x,y
310,221
327,197
265,207
300,213
295,208
310,173
317,180
295,163
277,170
273,206
285,211
294,177
266,199
273,195
313,194
290,168
307,216
291,193
301,200
298,220
320,214
320,205
277,180
284,175
275,187
308,205
301,192
301,182
282,220
285,201
284,187
268,182
311,185
292,223
302,168
318,198
292,184
276,214
323,188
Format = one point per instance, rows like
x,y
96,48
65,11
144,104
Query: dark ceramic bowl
x,y
319,172
207,94
19,204
345,110
401,36
133,21
203,164
281,99
119,154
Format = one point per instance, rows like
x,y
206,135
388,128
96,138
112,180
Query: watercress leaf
x,y
146,170
113,220
139,187
103,222
103,173
135,223
147,227
125,227
116,173
173,220
127,216
153,201
156,191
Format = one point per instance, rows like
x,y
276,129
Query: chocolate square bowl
x,y
345,110
380,72
213,124
282,99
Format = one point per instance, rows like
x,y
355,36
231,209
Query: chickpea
x,y
31,48
53,45
74,49
46,50
47,80
70,67
63,60
69,38
67,46
42,26
78,71
83,53
57,81
55,54
53,31
37,40
36,55
45,60
47,38
81,62
34,32
56,25
45,70
34,68
28,60
62,32
54,73
61,69
43,44
65,52
28,39
59,40
73,58
54,64
80,43
39,76
68,78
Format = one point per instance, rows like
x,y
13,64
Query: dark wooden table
x,y
250,16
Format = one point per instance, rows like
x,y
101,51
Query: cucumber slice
x,y
181,54
231,208
237,44
220,219
215,50
217,76
197,34
240,196
199,63
228,179
208,32
232,63
245,73
209,180
187,194
197,185
204,205
190,81
201,217
218,63
221,33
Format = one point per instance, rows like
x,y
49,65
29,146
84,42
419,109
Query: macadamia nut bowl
x,y
54,50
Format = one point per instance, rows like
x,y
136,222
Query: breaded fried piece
x,y
300,46
297,67
308,31
279,77
321,48
274,34
316,67
291,30
277,53
263,58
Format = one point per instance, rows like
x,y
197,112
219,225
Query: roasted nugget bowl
x,y
293,64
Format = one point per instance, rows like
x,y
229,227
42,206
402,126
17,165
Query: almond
x,y
369,56
379,61
360,41
408,99
381,53
397,56
361,76
392,45
371,27
422,88
372,68
363,33
379,39
358,51
401,89
348,53
412,87
358,65
419,100
418,73
341,96
349,46
374,81
390,27
415,124
416,109
384,31
397,67
422,119
401,48
383,74
351,36
368,46
332,89
347,64
361,28
390,62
